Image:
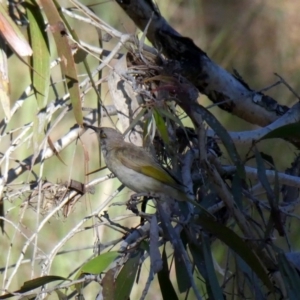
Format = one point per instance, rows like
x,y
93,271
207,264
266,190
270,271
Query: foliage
x,y
242,203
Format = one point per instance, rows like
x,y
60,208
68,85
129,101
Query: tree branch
x,y
193,63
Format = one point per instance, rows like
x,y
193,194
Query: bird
x,y
137,168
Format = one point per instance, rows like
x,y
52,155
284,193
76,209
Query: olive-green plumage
x,y
135,167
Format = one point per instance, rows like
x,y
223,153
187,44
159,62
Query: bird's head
x,y
109,137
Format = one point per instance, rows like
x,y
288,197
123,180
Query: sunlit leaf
x,y
40,74
98,264
12,34
4,80
64,50
161,126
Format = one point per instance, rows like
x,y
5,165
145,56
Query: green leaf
x,y
125,279
169,115
95,266
273,201
198,258
210,270
161,126
33,284
98,264
40,60
235,243
65,53
75,37
166,287
182,276
286,131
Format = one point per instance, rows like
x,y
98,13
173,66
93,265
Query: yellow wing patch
x,y
158,174
142,162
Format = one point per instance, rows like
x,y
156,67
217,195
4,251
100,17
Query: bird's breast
x,y
134,180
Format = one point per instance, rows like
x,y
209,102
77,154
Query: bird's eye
x,y
102,135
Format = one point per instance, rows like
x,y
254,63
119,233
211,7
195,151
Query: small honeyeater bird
x,y
136,167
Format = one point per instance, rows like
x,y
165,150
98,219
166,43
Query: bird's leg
x,y
132,205
134,200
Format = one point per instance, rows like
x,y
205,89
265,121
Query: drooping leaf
x,y
273,202
235,243
286,131
251,279
166,287
198,258
33,284
4,80
184,272
166,113
40,61
182,276
12,34
64,50
75,37
210,271
125,279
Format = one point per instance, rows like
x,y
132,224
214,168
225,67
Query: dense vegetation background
x,y
257,38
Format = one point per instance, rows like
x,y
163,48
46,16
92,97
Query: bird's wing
x,y
142,162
